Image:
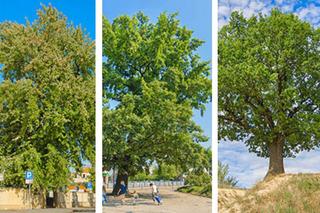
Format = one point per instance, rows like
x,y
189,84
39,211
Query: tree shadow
x,y
60,200
164,196
75,201
29,198
91,199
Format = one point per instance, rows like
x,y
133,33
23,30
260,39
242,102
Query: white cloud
x,y
242,3
308,12
246,167
287,8
224,10
249,169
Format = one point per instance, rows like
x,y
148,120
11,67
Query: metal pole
x,y
30,197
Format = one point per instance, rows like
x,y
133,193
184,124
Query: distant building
x,y
80,180
83,177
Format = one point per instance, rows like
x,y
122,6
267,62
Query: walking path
x,y
82,210
173,202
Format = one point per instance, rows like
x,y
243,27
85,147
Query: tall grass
x,y
301,193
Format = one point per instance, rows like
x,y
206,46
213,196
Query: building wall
x,y
11,198
75,199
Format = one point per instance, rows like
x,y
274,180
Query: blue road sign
x,y
89,185
29,175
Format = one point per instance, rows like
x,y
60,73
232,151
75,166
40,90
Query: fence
x,y
143,184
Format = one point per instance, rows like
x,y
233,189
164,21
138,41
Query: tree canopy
x,y
46,99
153,79
269,85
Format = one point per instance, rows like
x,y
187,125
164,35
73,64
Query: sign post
x,y
29,181
90,186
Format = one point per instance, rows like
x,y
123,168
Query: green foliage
x,y
201,175
163,172
167,172
269,82
163,128
205,191
143,176
224,180
14,167
46,99
138,49
198,179
153,80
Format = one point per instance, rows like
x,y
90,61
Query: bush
x,y
205,191
195,179
142,176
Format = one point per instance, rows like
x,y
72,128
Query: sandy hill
x,y
294,193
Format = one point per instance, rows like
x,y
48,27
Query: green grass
x,y
204,191
300,194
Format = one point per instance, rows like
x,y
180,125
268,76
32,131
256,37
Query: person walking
x,y
104,195
155,193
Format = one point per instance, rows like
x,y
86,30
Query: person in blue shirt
x,y
122,192
123,189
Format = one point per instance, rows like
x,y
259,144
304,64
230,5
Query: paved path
x,y
48,211
173,202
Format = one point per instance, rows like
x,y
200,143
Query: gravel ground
x,y
49,211
173,202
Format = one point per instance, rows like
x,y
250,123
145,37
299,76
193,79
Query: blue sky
x,y
245,166
193,14
80,12
307,10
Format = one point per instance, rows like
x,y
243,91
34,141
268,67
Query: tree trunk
x,y
123,176
159,170
43,198
276,158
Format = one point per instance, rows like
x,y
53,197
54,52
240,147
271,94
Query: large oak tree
x,y
153,79
269,81
46,100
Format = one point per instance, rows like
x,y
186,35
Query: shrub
x,y
196,179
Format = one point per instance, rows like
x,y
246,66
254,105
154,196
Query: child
x,y
155,193
135,196
158,198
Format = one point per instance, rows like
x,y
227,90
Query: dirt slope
x,y
229,196
283,193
